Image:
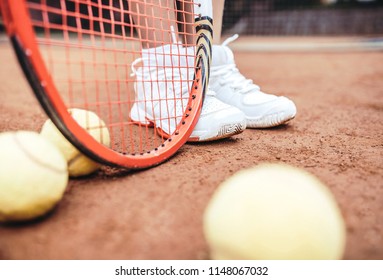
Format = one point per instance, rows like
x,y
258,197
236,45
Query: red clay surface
x,y
157,213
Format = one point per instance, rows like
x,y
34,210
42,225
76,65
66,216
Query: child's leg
x,y
155,21
218,6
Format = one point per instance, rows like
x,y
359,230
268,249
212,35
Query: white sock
x,y
171,55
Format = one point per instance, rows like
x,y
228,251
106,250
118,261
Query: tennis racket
x,y
85,54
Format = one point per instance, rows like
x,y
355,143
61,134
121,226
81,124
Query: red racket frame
x,y
20,31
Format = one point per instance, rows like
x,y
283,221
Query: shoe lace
x,y
229,74
133,67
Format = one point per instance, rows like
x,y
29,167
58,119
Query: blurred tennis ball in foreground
x,y
78,164
33,176
274,211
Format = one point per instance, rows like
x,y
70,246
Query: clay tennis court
x,y
157,213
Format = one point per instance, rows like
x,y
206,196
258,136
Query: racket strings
x,y
89,47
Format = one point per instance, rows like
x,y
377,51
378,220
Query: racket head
x,y
83,60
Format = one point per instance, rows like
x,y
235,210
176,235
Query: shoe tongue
x,y
222,55
168,55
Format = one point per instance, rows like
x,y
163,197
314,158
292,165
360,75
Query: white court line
x,y
297,46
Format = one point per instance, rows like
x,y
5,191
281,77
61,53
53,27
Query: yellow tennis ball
x,y
78,164
274,211
33,176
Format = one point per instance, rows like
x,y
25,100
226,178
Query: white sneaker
x,y
162,93
261,109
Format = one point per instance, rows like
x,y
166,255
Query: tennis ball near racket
x,y
33,176
274,211
78,164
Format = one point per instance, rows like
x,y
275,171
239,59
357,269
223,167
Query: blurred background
x,y
304,17
298,17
